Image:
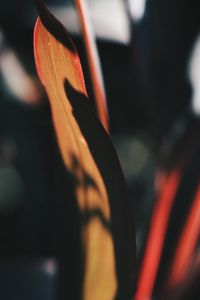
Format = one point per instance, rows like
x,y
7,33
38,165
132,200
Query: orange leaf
x,y
107,228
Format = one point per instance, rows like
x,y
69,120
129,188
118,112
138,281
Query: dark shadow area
x,y
122,225
68,242
88,182
162,42
43,220
90,214
27,279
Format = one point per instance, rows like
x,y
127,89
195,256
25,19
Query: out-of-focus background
x,y
150,56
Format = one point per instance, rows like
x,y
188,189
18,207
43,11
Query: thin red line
x,y
35,41
98,89
183,255
158,228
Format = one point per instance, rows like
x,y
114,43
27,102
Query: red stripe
x,y
98,89
185,249
158,228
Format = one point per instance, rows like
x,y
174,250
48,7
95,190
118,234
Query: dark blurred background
x,y
150,56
